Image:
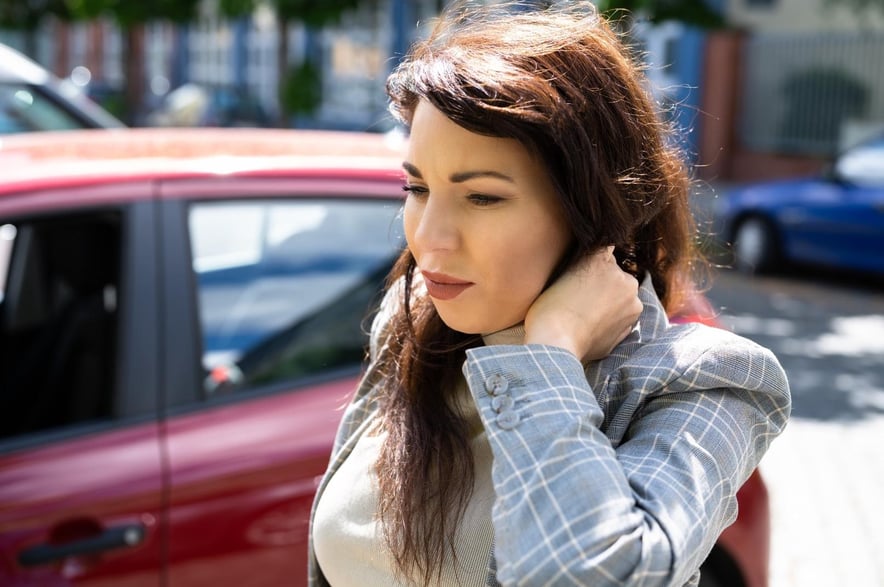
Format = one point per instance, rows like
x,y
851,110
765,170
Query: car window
x,y
284,287
58,321
25,108
7,238
863,164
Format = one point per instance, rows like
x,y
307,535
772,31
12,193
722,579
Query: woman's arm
x,y
571,507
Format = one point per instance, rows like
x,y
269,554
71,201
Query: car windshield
x,y
25,108
864,164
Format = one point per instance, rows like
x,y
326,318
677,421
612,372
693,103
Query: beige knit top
x,y
348,538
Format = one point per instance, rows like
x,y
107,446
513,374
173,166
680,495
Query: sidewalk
x,y
825,481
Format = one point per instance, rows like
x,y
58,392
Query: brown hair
x,y
561,82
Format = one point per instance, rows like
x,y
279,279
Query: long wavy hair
x,y
560,81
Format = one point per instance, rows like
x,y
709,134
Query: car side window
x,y
285,287
23,108
862,164
59,280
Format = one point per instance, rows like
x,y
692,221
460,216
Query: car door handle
x,y
119,537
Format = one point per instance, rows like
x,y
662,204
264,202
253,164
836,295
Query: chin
x,y
466,326
460,324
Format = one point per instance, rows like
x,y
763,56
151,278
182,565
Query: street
x,y
825,473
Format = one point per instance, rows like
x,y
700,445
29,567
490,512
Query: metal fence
x,y
811,94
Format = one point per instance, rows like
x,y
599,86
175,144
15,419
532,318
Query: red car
x,y
182,318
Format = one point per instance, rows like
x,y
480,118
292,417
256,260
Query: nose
x,y
434,225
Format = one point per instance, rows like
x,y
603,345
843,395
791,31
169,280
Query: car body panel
x,y
32,162
747,541
241,481
74,490
84,481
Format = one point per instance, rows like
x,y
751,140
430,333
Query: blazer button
x,y
501,403
507,419
496,384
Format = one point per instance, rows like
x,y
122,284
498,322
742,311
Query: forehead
x,y
436,140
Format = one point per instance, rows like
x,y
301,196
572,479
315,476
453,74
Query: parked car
x,y
183,316
33,99
835,219
207,105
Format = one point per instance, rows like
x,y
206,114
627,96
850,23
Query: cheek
x,y
410,219
527,262
528,272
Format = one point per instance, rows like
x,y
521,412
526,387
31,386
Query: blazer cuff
x,y
515,385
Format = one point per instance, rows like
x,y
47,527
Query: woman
x,y
529,415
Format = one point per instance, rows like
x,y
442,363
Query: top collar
x,y
651,322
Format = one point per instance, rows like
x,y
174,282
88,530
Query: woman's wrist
x,y
552,337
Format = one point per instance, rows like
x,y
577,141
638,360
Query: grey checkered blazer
x,y
622,472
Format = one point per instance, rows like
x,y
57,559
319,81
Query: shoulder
x,y
686,357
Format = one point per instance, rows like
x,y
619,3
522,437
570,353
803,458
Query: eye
x,y
483,199
415,191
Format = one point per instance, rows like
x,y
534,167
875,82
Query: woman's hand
x,y
588,310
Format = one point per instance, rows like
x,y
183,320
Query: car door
x,y
80,462
860,218
839,220
860,173
273,281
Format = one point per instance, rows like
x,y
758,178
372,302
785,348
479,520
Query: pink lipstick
x,y
444,287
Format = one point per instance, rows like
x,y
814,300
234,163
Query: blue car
x,y
835,220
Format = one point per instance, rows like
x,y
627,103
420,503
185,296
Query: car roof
x,y
50,159
15,67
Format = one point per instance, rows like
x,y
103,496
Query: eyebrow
x,y
460,176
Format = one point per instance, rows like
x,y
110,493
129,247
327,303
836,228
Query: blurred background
x,y
780,108
761,88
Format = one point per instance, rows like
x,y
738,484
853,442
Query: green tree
x,y
130,15
693,12
27,15
300,85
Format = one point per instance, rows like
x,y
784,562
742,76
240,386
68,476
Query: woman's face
x,y
482,220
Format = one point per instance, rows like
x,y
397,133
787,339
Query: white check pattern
x,y
620,473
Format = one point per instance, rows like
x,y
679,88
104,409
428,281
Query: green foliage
x,y
27,14
693,12
234,8
301,90
131,12
314,13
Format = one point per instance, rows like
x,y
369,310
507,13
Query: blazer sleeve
x,y
574,508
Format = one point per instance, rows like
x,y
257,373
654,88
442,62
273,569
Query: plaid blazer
x,y
620,472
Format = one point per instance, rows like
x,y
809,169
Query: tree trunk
x,y
282,62
133,68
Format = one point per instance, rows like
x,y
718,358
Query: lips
x,y
444,287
